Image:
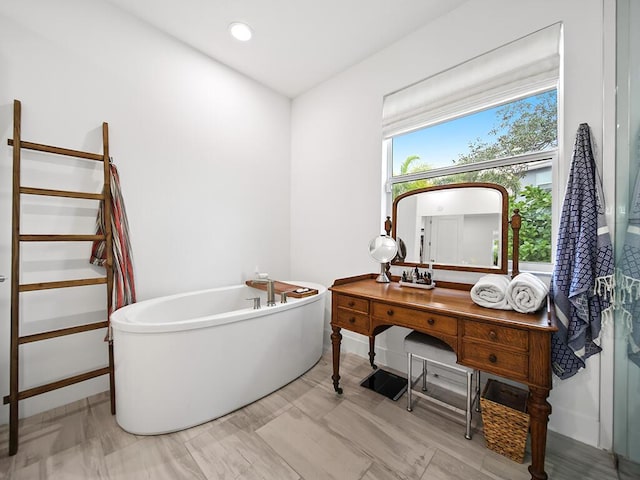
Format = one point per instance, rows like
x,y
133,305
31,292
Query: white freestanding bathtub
x,y
185,359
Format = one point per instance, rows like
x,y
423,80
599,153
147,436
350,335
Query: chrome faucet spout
x,y
271,290
271,293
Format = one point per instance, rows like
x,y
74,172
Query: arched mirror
x,y
460,226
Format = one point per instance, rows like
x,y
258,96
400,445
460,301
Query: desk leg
x,y
336,339
372,351
539,410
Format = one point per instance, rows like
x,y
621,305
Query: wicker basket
x,y
505,419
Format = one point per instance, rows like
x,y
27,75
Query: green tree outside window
x,y
522,127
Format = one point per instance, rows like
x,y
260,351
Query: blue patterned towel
x,y
628,279
582,279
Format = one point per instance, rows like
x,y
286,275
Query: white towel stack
x,y
491,292
526,293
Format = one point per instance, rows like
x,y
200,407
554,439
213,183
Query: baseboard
x,y
579,427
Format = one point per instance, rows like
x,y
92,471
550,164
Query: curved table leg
x,y
539,410
372,351
336,339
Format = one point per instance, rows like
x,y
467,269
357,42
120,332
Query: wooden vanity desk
x,y
505,343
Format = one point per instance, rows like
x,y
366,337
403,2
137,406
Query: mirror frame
x,y
504,266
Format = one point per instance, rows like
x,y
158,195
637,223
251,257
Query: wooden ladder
x,y
16,287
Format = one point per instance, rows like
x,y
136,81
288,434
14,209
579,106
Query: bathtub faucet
x,y
283,295
256,302
271,290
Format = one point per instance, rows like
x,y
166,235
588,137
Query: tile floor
x,y
302,431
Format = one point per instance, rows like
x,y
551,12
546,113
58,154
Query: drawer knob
x,y
431,321
351,303
352,320
492,334
493,358
390,312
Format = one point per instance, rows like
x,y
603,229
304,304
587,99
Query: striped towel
x,y
124,291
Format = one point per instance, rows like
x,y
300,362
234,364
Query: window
x,y
490,119
513,145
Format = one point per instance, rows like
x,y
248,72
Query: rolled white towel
x,y
527,293
491,292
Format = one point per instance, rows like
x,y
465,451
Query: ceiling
x,y
297,44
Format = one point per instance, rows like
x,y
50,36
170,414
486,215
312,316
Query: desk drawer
x,y
354,321
517,339
495,360
410,318
353,303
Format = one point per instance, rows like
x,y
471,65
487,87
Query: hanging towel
x,y
526,293
628,279
124,292
491,292
582,279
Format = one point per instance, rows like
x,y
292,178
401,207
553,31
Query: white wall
x,y
336,152
203,154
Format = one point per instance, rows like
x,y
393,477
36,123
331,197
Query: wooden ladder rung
x,y
36,337
65,382
61,238
60,193
30,287
58,150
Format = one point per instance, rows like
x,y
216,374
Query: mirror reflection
x,y
460,226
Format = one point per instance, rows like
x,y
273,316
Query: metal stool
x,y
433,350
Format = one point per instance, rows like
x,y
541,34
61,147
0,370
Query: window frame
x,y
551,155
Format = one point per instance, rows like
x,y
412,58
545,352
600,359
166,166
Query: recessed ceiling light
x,y
240,31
